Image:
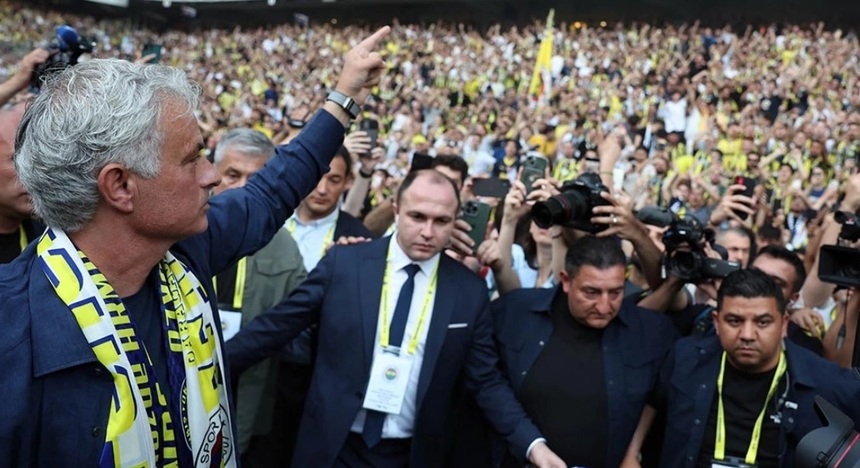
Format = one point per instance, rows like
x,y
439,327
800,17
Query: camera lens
x,y
684,264
561,209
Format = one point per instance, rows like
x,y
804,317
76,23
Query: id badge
x,y
231,322
730,462
389,376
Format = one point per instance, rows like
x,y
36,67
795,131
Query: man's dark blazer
x,y
342,294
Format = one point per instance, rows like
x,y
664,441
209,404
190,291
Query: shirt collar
x,y
331,218
399,259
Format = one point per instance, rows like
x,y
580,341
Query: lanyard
x,y
752,452
386,324
23,238
239,287
329,236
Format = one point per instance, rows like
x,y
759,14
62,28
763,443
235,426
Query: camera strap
x,y
752,451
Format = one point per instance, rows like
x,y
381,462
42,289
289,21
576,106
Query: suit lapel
x,y
371,271
446,293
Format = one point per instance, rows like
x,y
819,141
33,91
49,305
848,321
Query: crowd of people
x,y
379,305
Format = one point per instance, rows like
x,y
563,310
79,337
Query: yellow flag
x,y
539,85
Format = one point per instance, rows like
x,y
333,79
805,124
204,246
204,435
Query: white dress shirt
x,y
402,425
311,237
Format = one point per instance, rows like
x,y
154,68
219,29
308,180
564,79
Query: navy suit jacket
x,y
342,295
689,382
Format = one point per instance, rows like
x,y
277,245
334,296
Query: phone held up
x,y
534,168
477,216
371,127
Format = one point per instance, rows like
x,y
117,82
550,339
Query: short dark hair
x,y
781,253
434,175
750,283
342,152
598,252
769,232
453,162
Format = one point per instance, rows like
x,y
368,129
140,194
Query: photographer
x,y
745,396
21,79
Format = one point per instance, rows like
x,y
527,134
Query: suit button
x,y
697,422
96,431
704,386
541,342
523,373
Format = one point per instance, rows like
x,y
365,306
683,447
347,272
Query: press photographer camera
x,y
832,446
66,46
840,264
573,206
685,256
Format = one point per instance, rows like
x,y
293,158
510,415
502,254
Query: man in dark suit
x,y
399,323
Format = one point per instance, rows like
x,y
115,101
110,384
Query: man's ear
x,y
715,315
117,187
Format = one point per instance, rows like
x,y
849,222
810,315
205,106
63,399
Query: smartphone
x,y
492,187
421,161
534,168
749,190
152,49
371,127
477,215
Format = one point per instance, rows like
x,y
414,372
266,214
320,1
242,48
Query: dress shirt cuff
x,y
532,445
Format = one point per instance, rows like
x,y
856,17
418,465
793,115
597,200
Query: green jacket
x,y
271,274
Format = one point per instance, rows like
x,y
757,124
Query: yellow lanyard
x,y
22,238
239,287
386,324
329,236
720,445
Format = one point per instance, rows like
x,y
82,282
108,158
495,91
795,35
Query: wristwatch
x,y
347,103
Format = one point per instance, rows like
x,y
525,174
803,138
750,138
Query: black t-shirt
x,y
144,309
743,399
565,391
10,246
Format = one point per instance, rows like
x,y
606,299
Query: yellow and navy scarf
x,y
140,429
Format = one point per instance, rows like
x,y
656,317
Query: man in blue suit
x,y
399,323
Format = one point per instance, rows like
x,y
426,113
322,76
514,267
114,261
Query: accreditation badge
x,y
231,322
730,462
389,376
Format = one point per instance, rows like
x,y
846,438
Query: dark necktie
x,y
372,432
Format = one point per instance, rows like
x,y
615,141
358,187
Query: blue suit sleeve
x,y
492,390
241,221
268,333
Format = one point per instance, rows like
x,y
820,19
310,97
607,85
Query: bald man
x,y
16,225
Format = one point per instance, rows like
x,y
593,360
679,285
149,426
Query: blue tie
x,y
372,432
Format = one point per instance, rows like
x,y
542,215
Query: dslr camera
x,y
573,206
692,264
839,264
66,46
832,446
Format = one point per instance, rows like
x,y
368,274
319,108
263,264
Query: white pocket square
x,y
452,326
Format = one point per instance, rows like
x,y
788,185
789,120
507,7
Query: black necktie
x,y
372,432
